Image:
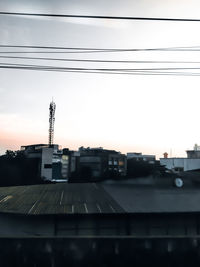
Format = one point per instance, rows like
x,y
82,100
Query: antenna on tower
x,y
52,109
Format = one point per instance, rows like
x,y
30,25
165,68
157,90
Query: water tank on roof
x,y
178,182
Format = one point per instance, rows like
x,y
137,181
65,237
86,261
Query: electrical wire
x,y
101,61
94,50
100,17
103,71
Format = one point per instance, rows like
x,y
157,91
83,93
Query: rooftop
x,y
93,198
62,198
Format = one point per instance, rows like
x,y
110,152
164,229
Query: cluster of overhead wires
x,y
99,60
59,59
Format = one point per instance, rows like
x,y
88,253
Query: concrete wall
x,y
191,164
171,163
47,156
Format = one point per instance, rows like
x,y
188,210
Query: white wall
x,y
191,164
171,163
187,164
47,157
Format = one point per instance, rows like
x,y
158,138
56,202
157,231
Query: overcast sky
x,y
149,114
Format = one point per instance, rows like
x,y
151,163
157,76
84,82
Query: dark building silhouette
x,y
99,163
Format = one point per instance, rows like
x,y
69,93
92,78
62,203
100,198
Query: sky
x,y
128,113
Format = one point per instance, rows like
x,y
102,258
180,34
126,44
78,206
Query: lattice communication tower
x,y
52,109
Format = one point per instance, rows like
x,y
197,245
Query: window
x,y
48,166
121,163
115,162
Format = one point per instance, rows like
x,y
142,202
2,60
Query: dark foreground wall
x,y
101,224
101,251
100,240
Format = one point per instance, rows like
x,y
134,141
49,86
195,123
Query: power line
x,y
100,17
51,47
94,50
100,51
101,61
104,72
100,69
97,70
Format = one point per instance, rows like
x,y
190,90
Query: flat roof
x,y
61,198
95,198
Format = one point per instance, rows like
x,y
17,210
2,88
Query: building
x,y
192,162
195,153
54,163
140,157
69,163
139,165
101,163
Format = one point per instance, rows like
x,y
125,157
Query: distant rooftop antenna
x,y
52,109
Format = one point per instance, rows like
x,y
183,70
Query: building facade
x,y
101,163
54,163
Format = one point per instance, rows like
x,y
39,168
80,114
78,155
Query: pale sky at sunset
x,y
148,114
